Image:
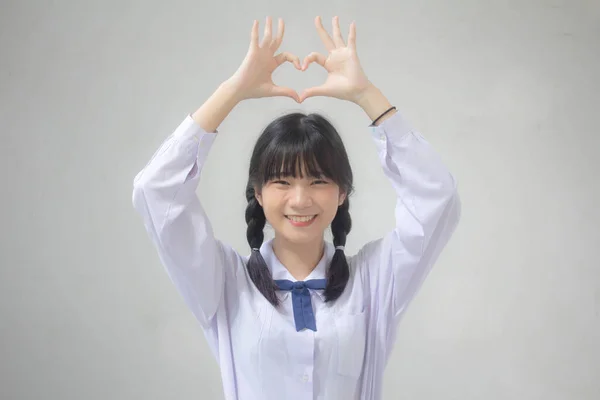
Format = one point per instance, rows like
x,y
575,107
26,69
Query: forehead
x,y
296,169
301,170
292,162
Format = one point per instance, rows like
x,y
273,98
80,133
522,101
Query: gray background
x,y
507,92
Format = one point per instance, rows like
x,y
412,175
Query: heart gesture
x,y
346,79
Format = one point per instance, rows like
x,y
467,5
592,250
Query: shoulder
x,y
232,260
368,253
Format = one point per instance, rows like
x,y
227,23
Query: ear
x,y
342,198
258,197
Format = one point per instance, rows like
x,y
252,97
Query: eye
x,y
320,182
281,182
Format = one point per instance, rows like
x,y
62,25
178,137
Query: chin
x,y
302,237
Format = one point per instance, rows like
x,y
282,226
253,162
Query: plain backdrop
x,y
506,91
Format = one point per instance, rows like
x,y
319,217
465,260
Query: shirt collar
x,y
279,271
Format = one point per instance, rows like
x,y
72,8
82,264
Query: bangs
x,y
299,146
297,154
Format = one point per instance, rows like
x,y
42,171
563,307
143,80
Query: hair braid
x,y
339,271
257,267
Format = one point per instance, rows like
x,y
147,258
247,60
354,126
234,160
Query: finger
x,y
267,35
280,30
285,92
314,57
254,34
352,35
329,45
313,92
286,56
337,34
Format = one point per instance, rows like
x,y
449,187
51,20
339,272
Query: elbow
x,y
139,180
454,203
451,198
451,187
452,182
138,197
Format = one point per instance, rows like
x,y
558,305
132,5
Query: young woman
x,y
297,318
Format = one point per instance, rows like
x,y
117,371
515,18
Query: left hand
x,y
253,78
346,79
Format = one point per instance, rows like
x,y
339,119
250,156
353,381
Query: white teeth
x,y
300,219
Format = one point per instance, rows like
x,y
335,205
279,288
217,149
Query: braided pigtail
x,y
257,267
339,271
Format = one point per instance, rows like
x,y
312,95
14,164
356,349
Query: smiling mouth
x,y
300,219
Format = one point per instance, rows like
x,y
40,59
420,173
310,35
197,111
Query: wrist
x,y
374,103
230,92
214,110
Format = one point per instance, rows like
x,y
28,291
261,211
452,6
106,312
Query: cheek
x,y
329,203
272,204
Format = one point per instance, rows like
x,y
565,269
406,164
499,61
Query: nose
x,y
301,198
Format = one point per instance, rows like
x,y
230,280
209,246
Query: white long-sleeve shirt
x,y
260,354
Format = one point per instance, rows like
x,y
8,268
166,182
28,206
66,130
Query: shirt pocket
x,y
351,343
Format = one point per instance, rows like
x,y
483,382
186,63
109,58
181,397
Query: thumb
x,y
313,92
285,92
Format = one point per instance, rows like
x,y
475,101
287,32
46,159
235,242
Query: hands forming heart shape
x,y
346,79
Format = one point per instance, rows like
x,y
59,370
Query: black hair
x,y
291,145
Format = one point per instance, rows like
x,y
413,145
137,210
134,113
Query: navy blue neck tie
x,y
304,316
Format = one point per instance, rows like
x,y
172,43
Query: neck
x,y
299,258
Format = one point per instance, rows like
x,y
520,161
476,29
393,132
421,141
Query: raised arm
x,y
427,211
164,194
428,207
164,191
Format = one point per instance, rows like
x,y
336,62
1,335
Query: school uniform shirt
x,y
260,354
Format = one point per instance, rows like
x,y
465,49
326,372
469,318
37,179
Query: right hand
x,y
253,78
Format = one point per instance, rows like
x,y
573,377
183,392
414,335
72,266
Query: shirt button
x,y
305,378
382,137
